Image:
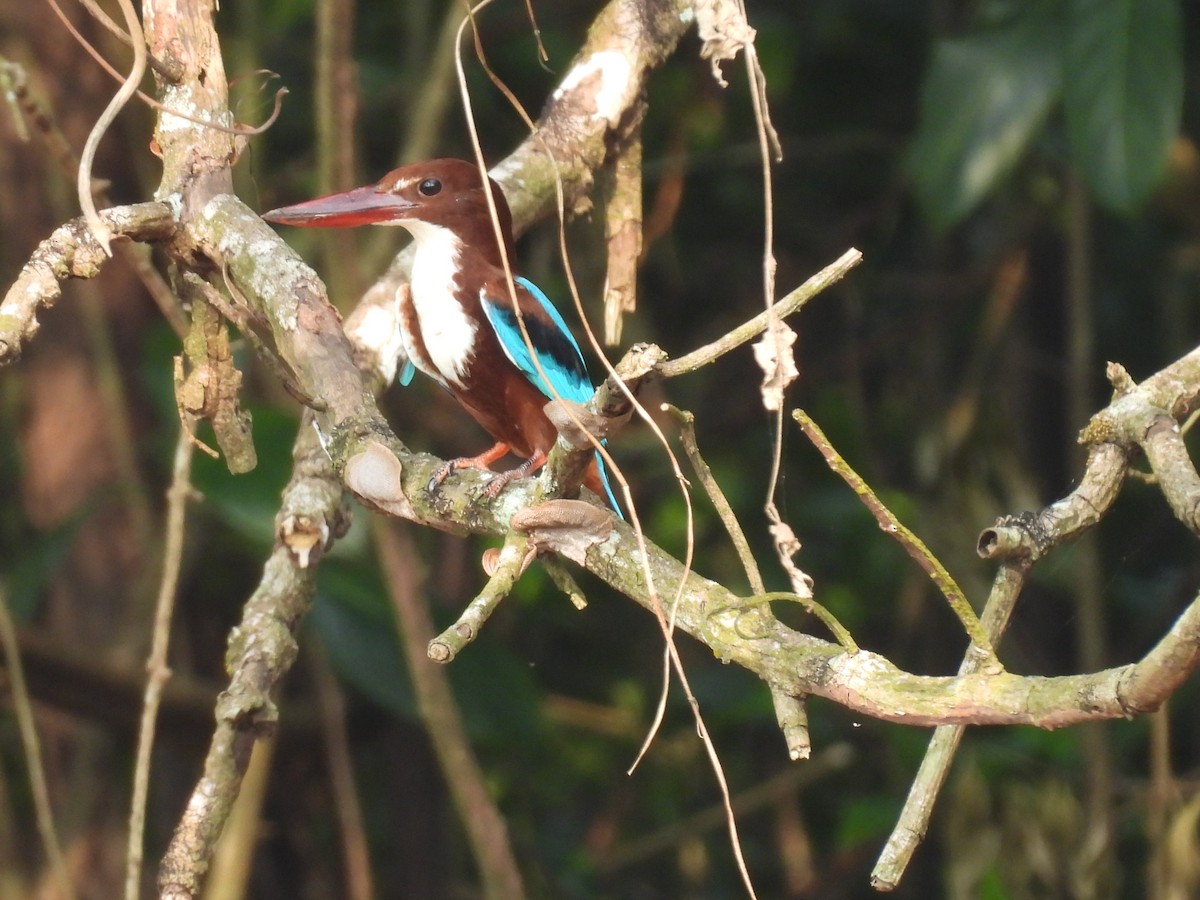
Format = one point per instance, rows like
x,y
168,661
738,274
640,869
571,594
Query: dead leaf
x,y
724,30
773,353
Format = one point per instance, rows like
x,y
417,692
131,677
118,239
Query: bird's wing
x,y
556,349
557,352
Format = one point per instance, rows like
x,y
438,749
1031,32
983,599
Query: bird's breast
x,y
447,329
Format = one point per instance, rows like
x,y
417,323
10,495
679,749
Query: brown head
x,y
445,192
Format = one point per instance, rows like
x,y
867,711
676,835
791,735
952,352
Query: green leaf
x,y
984,97
1123,94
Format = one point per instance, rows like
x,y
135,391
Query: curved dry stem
x,y
100,231
173,77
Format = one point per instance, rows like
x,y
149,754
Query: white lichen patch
x,y
857,672
177,100
612,89
174,201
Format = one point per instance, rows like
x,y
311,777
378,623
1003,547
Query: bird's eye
x,y
429,187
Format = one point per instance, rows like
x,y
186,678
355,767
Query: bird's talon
x,y
494,487
443,472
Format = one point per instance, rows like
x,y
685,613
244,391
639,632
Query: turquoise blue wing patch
x,y
557,352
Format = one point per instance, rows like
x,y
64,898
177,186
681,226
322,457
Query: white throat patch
x,y
448,333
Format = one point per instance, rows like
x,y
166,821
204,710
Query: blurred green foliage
x,y
1114,66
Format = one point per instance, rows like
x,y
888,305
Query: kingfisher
x,y
457,321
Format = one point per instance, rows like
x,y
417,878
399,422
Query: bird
x,y
457,321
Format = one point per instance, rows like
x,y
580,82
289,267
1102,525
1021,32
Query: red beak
x,y
361,206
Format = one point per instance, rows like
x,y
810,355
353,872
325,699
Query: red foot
x,y
500,482
483,461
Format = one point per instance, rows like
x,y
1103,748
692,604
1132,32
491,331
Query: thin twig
x,y
513,559
912,544
687,436
747,331
839,631
156,665
33,751
913,822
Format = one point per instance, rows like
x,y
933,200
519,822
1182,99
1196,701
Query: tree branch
x,y
71,252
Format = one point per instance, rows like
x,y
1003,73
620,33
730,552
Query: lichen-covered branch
x,y
218,236
261,650
70,252
735,630
211,234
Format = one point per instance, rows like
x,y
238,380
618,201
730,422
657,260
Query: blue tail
x,y
612,500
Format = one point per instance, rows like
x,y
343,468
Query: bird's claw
x,y
443,472
498,483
